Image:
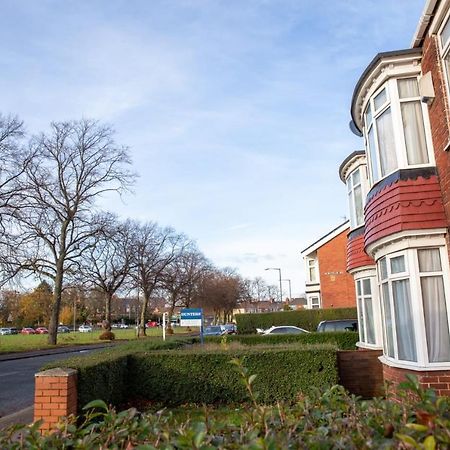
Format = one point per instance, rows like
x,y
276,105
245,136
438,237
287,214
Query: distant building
x,y
328,285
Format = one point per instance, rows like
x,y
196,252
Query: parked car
x,y
14,330
151,324
214,330
230,328
123,326
338,325
85,329
4,331
28,330
63,329
41,330
288,329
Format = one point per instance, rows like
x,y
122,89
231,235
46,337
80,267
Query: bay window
x,y
395,129
414,293
444,41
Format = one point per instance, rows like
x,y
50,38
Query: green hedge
x,y
305,318
344,340
174,378
104,373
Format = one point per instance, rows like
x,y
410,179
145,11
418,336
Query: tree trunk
x,y
108,298
54,317
141,327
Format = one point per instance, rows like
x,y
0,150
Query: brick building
x,y
328,285
399,196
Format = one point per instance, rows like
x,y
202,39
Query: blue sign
x,y
191,313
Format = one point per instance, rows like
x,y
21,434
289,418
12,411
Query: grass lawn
x,y
26,342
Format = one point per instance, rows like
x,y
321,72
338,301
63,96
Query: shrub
x,y
207,376
343,340
107,336
305,318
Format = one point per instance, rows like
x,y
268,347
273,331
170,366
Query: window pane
x,y
429,260
362,335
356,177
445,35
408,88
398,264
358,287
368,116
359,211
389,344
369,320
373,155
414,132
383,268
380,99
386,144
404,324
436,319
366,286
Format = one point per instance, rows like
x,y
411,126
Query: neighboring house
x,y
297,303
328,285
400,246
258,307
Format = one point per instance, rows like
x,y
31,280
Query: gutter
x,y
425,19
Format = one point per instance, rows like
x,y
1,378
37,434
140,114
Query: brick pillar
x,y
55,396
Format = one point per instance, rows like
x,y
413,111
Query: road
x,y
17,380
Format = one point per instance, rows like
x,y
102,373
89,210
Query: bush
x,y
104,374
329,419
175,378
345,340
305,318
107,336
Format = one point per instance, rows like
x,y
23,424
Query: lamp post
x,y
290,292
279,275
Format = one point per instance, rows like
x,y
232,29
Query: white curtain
x,y
389,345
358,206
370,326
386,144
414,130
434,306
373,155
404,324
362,334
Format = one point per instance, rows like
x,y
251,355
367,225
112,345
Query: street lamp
x,y
279,274
290,292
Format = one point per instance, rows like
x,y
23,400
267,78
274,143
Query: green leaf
x,y
96,404
251,379
429,443
407,440
417,426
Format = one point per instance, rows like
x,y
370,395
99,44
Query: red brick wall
x,y
439,119
413,204
337,288
439,380
55,396
361,372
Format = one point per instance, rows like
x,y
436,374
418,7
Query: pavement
x,y
25,414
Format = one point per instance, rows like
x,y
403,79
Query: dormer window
x,y
395,129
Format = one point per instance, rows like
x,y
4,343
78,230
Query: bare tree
x,y
106,264
75,163
182,276
154,249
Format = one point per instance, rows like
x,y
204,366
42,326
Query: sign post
x,y
192,317
164,326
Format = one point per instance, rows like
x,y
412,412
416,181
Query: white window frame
x,y
351,187
393,102
414,276
444,50
361,307
312,305
311,265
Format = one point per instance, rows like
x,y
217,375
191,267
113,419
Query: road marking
x,y
7,373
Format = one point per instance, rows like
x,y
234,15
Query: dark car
x,y
338,325
63,329
14,330
230,328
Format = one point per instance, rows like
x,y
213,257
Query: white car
x,y
4,331
123,326
288,329
85,329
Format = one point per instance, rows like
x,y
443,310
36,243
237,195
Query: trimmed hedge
x,y
104,374
344,340
305,318
175,378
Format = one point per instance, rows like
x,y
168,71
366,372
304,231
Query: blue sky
x,y
236,111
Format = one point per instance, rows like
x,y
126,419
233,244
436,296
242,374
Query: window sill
x,y
413,366
365,346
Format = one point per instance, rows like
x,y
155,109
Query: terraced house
x,y
399,196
